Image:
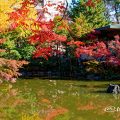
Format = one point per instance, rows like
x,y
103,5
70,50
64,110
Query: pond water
x,y
37,99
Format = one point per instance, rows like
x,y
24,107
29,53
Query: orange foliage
x,y
9,69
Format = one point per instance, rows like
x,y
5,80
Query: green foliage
x,y
94,15
26,52
81,26
16,45
12,54
61,26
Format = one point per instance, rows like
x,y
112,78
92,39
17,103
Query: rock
x,y
113,88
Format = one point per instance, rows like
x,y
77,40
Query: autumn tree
x,y
16,27
92,10
9,69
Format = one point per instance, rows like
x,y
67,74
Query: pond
x,y
37,99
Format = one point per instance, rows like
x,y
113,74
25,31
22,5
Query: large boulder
x,y
113,88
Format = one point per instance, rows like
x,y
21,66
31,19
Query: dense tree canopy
x,y
25,33
92,10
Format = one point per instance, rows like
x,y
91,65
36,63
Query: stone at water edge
x,y
113,88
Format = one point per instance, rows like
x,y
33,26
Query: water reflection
x,y
116,96
43,99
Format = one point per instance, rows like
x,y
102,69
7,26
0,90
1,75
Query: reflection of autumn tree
x,y
55,112
10,100
13,99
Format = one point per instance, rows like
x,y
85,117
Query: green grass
x,y
57,100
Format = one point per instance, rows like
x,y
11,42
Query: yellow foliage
x,y
81,26
7,6
4,9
